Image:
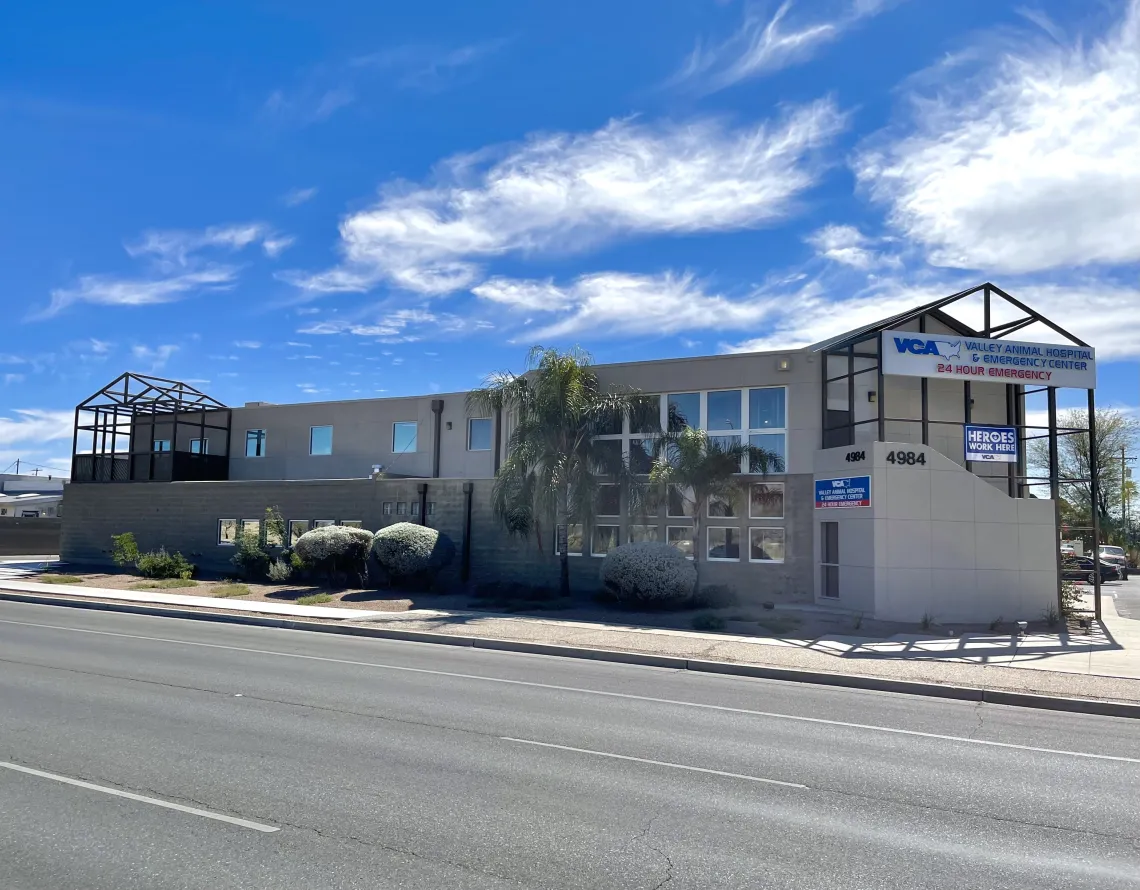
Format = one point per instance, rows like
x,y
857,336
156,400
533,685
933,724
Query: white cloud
x,y
610,304
390,327
9,379
275,246
296,197
108,290
568,192
1032,164
33,426
297,345
763,46
177,245
247,344
155,358
845,245
100,347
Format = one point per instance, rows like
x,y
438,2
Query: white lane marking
x,y
621,695
194,811
694,769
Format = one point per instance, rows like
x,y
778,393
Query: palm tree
x,y
554,463
704,468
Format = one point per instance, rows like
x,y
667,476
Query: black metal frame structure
x,y
846,347
142,404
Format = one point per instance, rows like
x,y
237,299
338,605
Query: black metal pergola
x,y
865,347
129,411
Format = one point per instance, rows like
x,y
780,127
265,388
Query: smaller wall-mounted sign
x,y
992,444
846,491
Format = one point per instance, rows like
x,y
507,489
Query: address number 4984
x,y
906,458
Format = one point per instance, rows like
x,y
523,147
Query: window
x,y
415,505
388,508
679,501
607,502
161,444
431,508
320,440
765,545
721,507
255,443
251,527
724,544
199,446
645,415
609,424
479,434
604,540
724,410
401,508
641,533
684,410
227,532
404,437
297,527
774,443
3,511
641,456
273,536
681,537
829,559
322,523
766,500
607,455
574,539
352,523
766,408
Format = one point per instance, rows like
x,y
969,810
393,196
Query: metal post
x,y
824,361
851,394
1011,420
924,386
1055,483
74,444
465,572
1094,493
498,439
967,411
882,400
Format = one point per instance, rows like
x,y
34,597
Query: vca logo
x,y
944,348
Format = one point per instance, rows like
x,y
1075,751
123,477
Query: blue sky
x,y
290,201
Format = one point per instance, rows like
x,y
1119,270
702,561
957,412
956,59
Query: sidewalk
x,y
1103,664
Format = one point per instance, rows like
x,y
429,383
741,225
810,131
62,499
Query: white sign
x,y
996,444
910,354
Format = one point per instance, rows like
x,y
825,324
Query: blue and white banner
x,y
994,444
848,491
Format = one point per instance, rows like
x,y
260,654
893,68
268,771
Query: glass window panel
x,y
607,454
829,585
681,537
479,434
645,414
199,446
608,500
161,444
401,508
431,508
297,527
725,442
609,424
766,500
679,501
251,528
829,535
641,533
640,456
352,523
320,440
766,544
273,536
227,531
724,410
574,539
775,443
721,507
415,505
255,443
605,539
684,410
404,437
724,543
766,408
321,523
388,508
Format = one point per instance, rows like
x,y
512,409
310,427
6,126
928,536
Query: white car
x,y
1117,557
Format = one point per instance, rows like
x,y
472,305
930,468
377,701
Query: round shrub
x,y
406,550
335,548
648,573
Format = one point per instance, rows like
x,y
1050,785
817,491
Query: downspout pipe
x,y
465,571
437,410
422,489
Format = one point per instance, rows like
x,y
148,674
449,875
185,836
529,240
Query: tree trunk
x,y
564,556
697,550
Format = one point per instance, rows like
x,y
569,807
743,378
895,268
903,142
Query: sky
x,y
290,201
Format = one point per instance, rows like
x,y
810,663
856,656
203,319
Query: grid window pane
x,y
776,444
352,523
641,533
609,424
161,444
320,440
725,443
404,437
605,539
199,446
251,528
645,414
415,505
401,508
227,531
255,443
766,500
680,501
607,502
479,434
681,537
724,410
388,508
766,544
721,507
684,410
766,408
574,539
640,456
273,536
607,456
297,527
321,523
724,543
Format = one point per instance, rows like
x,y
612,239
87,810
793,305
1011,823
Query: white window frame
x,y
783,499
312,429
389,508
646,525
155,443
352,523
689,530
730,504
593,532
323,523
616,515
491,429
768,528
298,522
686,502
414,423
203,446
569,552
242,523
232,543
263,443
708,542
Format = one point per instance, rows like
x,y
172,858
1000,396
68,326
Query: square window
x,y
322,523
251,528
388,505
199,446
274,536
479,434
401,508
161,445
227,532
720,508
645,414
297,527
724,544
351,523
775,444
320,440
431,508
684,410
607,501
607,456
255,443
608,424
641,533
641,456
605,539
766,500
766,408
724,410
765,545
415,505
679,501
574,539
404,437
681,537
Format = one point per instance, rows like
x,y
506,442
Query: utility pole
x,y
17,466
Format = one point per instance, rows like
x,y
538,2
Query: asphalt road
x,y
366,764
1125,595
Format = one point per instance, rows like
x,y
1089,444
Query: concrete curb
x,y
760,672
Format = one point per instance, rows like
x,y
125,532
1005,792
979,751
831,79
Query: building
x,y
877,510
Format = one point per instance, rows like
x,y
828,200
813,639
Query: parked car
x,y
1082,568
1067,549
1117,557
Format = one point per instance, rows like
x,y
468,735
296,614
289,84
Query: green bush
x,y
412,553
648,574
280,571
159,564
251,558
1072,601
314,599
336,550
124,550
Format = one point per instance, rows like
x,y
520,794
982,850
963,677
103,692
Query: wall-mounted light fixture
x,y
783,364
872,396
